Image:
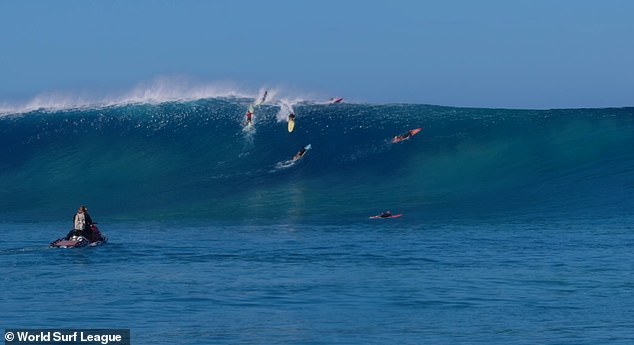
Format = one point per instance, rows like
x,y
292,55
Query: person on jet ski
x,y
81,223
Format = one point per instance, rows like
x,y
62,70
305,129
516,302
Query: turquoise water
x,y
517,225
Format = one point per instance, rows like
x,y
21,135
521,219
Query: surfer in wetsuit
x,y
403,136
266,92
386,214
291,117
299,154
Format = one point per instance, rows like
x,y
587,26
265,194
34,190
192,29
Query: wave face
x,y
193,160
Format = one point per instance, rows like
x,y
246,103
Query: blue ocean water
x,y
517,225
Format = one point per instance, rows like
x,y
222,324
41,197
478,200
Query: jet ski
x,y
90,238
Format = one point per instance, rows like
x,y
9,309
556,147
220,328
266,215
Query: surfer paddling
x,y
299,154
406,135
302,152
386,215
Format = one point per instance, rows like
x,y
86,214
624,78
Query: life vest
x,y
80,221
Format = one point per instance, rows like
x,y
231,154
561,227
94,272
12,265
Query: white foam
x,y
286,108
160,90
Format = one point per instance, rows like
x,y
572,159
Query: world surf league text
x,y
85,337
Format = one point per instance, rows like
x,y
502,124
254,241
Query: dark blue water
x,y
517,225
399,282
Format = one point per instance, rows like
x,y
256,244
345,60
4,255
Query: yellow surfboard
x,y
291,125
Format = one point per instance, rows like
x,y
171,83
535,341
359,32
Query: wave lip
x,y
160,90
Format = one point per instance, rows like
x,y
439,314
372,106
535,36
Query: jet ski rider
x,y
81,223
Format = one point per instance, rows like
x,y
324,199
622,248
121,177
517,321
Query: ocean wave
x,y
191,158
157,91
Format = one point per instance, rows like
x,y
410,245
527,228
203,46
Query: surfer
x,y
386,214
336,100
291,122
249,115
302,152
299,154
81,223
405,136
262,99
402,137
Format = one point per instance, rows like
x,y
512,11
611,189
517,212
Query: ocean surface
x,y
517,226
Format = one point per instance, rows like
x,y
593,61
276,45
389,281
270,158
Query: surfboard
x,y
291,125
336,100
406,136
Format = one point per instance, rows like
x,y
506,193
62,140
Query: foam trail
x,y
286,108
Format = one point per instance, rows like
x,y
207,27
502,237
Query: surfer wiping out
x,y
262,99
